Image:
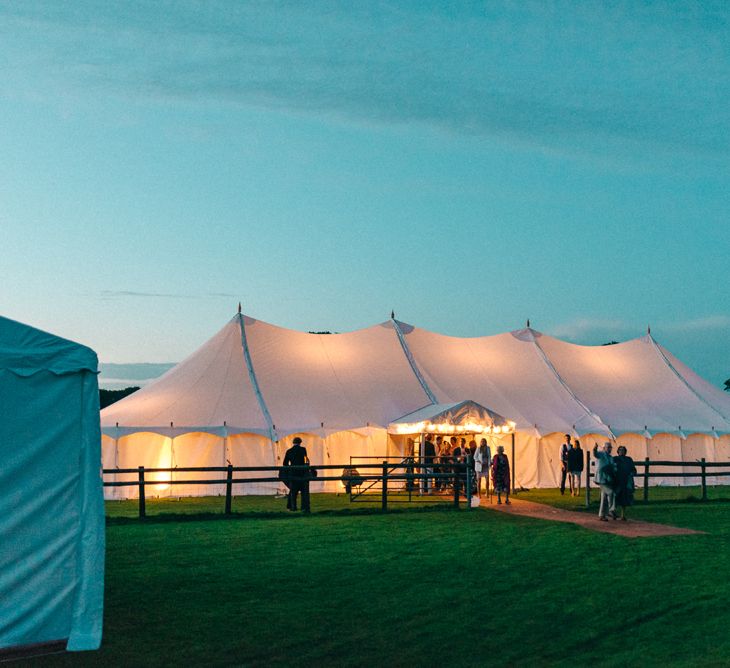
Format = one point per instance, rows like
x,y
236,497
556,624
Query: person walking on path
x,y
482,460
564,450
298,478
606,479
625,472
500,475
575,467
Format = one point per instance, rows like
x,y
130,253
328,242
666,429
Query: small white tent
x,y
51,502
249,389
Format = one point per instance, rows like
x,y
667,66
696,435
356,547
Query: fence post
x,y
384,498
588,478
704,480
142,509
646,480
229,488
456,484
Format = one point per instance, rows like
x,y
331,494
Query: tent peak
x,y
392,314
239,307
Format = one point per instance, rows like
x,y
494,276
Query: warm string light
x,y
448,428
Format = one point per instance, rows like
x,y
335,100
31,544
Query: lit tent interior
x,y
245,393
51,502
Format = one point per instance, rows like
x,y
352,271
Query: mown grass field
x,y
416,587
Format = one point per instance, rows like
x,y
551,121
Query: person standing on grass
x,y
625,472
564,450
500,475
606,479
299,477
575,467
482,460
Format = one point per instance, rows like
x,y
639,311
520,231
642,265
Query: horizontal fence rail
x,y
459,476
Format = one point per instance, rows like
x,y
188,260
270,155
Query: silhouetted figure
x,y
298,478
500,475
564,450
625,472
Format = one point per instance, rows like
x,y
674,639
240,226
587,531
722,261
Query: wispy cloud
x,y
583,329
590,329
654,76
121,294
708,323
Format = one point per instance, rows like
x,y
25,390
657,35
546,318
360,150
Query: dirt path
x,y
630,528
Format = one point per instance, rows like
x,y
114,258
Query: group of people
x,y
442,455
615,476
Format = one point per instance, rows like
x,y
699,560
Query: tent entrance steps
x,y
403,481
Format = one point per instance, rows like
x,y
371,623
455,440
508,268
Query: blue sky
x,y
468,164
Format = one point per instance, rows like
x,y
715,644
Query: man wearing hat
x,y
298,478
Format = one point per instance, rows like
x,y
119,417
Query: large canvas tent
x,y
51,503
244,394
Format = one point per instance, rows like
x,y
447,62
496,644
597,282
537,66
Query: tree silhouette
x,y
108,397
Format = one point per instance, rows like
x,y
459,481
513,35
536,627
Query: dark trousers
x,y
563,474
295,487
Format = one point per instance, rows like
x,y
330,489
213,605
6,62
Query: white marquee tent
x,y
51,503
245,393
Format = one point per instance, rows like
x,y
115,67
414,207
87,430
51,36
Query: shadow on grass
x,y
161,518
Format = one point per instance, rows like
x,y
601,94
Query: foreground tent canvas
x,y
51,502
245,393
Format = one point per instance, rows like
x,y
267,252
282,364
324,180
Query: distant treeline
x,y
108,397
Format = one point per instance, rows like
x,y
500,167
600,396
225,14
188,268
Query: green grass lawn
x,y
421,587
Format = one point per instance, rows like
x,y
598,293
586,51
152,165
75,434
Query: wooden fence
x,y
701,464
385,474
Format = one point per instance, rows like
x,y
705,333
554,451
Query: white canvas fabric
x,y
508,373
51,505
255,381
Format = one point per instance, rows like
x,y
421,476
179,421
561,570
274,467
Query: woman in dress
x,y
500,475
625,471
482,460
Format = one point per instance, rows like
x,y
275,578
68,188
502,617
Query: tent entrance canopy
x,y
463,417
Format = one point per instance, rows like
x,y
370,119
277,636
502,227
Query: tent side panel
x,y
525,464
39,506
253,450
109,461
665,447
86,626
148,450
721,453
694,449
197,449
